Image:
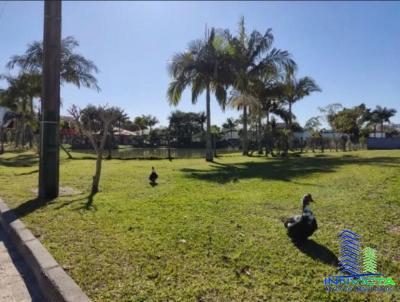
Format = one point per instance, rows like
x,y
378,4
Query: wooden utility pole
x,y
49,128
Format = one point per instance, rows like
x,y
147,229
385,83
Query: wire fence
x,y
157,153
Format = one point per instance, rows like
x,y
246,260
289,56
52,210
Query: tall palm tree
x,y
202,118
267,89
141,123
75,68
253,55
283,112
372,118
25,85
19,97
296,89
150,122
250,106
230,125
205,66
383,114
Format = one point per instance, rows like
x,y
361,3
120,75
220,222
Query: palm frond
x,y
198,86
75,68
174,92
220,94
181,63
239,100
305,86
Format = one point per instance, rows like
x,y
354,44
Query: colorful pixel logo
x,y
359,266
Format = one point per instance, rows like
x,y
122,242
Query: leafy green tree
x,y
313,125
95,123
350,121
158,136
129,125
183,125
328,114
205,66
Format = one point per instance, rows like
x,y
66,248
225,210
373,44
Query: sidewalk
x,y
16,282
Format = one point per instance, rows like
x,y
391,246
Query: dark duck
x,y
153,177
300,227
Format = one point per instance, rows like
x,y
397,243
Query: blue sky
x,y
352,49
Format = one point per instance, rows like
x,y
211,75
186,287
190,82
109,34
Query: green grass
x,y
212,231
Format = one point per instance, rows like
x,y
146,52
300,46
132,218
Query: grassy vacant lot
x,y
212,232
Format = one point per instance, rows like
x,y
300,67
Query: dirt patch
x,y
63,191
395,230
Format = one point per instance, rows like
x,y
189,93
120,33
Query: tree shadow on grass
x,y
34,204
87,203
282,169
27,173
318,252
21,160
28,207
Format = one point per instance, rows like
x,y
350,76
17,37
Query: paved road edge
x,y
55,284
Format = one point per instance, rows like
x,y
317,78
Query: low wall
x,y
383,143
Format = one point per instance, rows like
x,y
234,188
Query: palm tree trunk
x,y
245,138
290,116
30,136
214,140
15,134
260,148
169,143
96,177
267,136
289,127
23,136
2,140
209,151
23,122
19,133
31,105
109,147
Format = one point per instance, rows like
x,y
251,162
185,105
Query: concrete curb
x,y
53,281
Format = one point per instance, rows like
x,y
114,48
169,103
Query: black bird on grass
x,y
153,177
300,227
